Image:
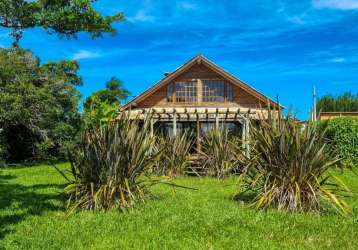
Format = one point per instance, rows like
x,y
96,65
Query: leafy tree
x,y
38,105
103,105
64,17
342,103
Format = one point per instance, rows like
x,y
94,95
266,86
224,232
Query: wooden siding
x,y
199,71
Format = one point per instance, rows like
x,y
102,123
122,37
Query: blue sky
x,y
279,47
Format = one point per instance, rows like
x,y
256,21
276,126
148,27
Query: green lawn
x,y
32,216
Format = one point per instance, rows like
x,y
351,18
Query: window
x,y
185,91
205,127
213,91
170,89
164,128
233,128
229,92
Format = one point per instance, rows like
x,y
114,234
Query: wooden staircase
x,y
196,167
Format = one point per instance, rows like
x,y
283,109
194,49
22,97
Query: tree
x,y
38,105
104,104
347,102
64,17
113,94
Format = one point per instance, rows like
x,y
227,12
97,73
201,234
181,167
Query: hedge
x,y
342,135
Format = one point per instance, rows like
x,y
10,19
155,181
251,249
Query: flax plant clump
x,y
109,166
221,153
175,157
290,167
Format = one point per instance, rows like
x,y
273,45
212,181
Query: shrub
x,y
221,153
2,147
289,168
109,165
342,135
176,155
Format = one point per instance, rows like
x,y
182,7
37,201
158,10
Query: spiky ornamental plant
x,y
290,168
108,166
221,153
176,155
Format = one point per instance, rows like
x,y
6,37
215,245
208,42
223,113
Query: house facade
x,y
199,96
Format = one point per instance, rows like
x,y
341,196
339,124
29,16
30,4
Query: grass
x,y
32,216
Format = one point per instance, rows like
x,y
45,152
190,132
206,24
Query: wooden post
x,y
217,118
151,127
246,136
145,117
243,133
198,146
174,123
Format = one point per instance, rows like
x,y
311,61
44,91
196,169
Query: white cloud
x,y
336,4
187,5
85,54
141,16
296,20
337,60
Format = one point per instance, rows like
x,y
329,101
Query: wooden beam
x,y
174,123
246,136
236,114
217,118
198,146
187,114
151,127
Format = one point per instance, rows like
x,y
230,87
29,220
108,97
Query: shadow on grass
x,y
17,201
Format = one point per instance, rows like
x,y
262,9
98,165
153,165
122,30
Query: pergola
x,y
200,114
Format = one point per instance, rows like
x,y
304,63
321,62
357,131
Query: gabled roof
x,y
200,59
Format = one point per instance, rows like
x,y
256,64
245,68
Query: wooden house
x,y
198,96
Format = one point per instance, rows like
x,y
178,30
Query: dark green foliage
x,y
175,158
221,152
38,106
2,148
109,164
343,103
342,136
290,168
64,17
103,105
114,93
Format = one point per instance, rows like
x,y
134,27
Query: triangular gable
x,y
200,59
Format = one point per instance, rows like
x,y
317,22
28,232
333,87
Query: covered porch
x,y
172,121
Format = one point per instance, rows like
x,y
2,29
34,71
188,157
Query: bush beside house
x,y
342,135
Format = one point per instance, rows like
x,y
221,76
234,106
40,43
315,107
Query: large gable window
x,y
185,91
170,91
213,91
229,92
